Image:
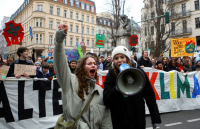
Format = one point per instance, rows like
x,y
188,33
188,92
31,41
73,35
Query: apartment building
x,y
184,22
44,16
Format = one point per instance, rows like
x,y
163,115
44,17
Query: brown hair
x,y
143,51
81,73
21,50
73,60
116,70
45,65
186,60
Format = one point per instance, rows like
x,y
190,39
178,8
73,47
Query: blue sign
x,y
31,33
71,54
50,55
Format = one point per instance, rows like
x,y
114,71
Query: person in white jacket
x,y
77,88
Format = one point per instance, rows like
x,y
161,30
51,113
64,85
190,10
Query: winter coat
x,y
99,115
145,63
40,74
173,68
12,66
187,68
121,116
107,65
194,68
165,67
51,72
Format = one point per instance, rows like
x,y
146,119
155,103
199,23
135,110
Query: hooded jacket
x,y
145,63
40,73
99,116
122,118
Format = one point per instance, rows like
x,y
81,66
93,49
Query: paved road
x,y
178,120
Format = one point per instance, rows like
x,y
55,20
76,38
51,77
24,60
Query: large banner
x,y
183,47
174,91
29,104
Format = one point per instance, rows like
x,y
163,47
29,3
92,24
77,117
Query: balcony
x,y
171,2
181,32
180,15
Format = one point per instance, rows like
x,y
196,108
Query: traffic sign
x,y
50,54
82,44
133,40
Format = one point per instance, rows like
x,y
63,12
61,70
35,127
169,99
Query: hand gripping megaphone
x,y
130,81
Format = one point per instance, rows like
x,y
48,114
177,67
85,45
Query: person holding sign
x,y
82,98
22,52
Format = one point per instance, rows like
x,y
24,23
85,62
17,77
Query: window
x,y
76,16
104,22
76,40
58,23
58,11
92,31
184,26
51,10
87,31
172,12
88,19
173,28
88,43
198,40
184,9
39,7
152,30
65,13
71,41
77,3
92,9
145,31
163,29
71,3
82,5
100,21
50,24
71,15
76,29
37,23
113,24
87,7
40,38
145,45
36,38
92,43
40,22
92,20
197,22
65,42
50,39
82,30
196,3
65,1
108,23
71,28
152,15
82,17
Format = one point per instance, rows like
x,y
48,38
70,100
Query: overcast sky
x,y
8,7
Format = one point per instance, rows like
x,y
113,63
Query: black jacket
x,y
114,100
146,63
165,67
107,65
12,66
173,68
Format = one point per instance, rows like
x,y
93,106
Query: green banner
x,y
100,41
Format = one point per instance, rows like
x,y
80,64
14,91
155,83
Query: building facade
x,y
44,16
4,50
184,22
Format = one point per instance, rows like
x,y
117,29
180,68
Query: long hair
x,y
80,72
116,70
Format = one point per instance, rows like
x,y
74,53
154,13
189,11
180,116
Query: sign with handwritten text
x,y
3,72
71,54
100,40
28,69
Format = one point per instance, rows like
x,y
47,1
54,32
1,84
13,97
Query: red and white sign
x,y
82,44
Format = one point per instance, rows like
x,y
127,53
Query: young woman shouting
x,y
79,87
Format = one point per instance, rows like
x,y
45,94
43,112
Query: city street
x,y
178,120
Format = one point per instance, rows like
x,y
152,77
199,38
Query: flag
x,y
31,34
80,53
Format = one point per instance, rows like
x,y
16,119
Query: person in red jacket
x,y
178,63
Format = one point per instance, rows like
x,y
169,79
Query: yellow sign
x,y
183,47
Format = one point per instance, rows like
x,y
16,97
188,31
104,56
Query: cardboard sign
x,y
83,49
3,72
28,69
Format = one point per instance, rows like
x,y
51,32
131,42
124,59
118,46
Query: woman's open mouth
x,y
92,72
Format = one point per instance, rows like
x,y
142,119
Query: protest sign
x,y
166,54
183,47
3,72
28,69
100,40
71,54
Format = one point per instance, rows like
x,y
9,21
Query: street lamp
x,y
81,28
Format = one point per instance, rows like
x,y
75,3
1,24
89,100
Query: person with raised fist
x,y
82,98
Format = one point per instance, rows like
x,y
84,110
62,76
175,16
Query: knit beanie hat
x,y
37,63
121,50
49,61
42,56
197,60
